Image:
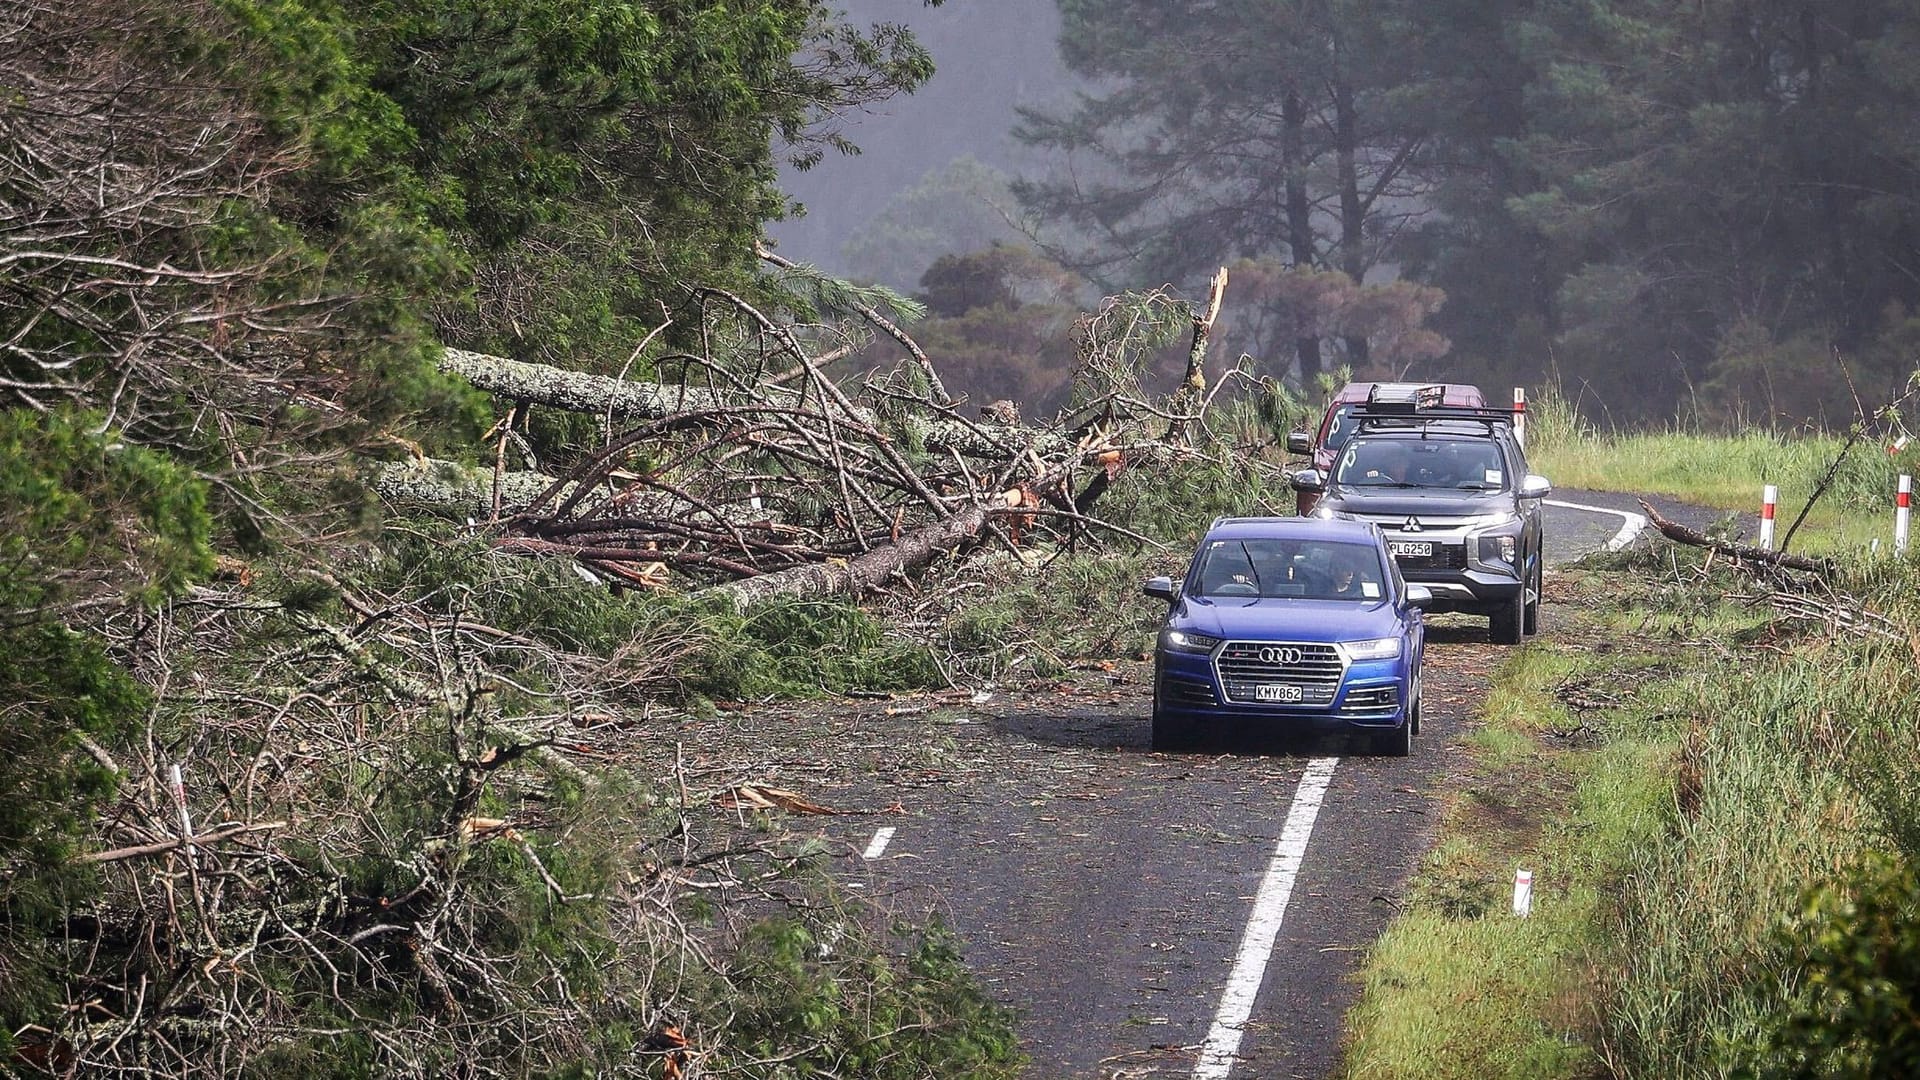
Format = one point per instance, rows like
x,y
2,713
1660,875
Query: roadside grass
x,y
1683,770
1726,470
1459,987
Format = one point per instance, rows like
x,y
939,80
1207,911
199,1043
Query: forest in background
x,y
1702,213
395,389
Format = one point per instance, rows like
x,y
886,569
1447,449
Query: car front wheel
x,y
1505,624
1398,742
1170,735
1531,621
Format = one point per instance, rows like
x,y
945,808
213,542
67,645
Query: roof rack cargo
x,y
1408,394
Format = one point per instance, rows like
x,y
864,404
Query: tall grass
x,y
1725,470
1755,762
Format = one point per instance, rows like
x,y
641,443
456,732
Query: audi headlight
x,y
1385,648
1187,641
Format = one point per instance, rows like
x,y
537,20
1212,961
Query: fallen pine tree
x,y
758,474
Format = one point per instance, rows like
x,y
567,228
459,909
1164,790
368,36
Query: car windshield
x,y
1461,464
1309,569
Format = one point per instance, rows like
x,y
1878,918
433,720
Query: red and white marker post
x,y
1523,893
1769,498
1902,511
1520,416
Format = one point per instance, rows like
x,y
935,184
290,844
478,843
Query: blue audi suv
x,y
1289,626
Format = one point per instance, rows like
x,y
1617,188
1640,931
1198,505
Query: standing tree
x,y
1240,130
1673,199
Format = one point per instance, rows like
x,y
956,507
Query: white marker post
x,y
1520,416
1902,511
1769,496
1523,893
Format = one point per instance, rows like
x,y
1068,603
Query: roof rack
x,y
1404,413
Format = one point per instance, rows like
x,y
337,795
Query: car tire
x,y
1505,624
1530,623
1396,743
1171,737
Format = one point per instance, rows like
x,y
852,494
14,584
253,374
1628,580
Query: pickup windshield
x,y
1458,464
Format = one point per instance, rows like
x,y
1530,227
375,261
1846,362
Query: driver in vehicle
x,y
1380,463
1353,579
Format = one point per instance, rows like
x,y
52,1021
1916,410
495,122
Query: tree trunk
x,y
448,489
861,574
1353,213
1302,248
623,399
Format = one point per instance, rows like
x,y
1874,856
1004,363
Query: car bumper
x,y
1471,590
1188,692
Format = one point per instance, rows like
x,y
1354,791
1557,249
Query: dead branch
x,y
1683,535
202,840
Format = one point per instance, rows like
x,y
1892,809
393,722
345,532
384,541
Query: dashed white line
x,y
1634,522
1263,927
879,845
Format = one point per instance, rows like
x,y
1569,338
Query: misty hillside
x,y
991,59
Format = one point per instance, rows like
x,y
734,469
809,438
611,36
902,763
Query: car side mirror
x,y
1419,596
1308,480
1535,487
1161,588
1298,443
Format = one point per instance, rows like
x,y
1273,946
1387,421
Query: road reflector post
x,y
1902,511
1769,496
1523,893
1520,416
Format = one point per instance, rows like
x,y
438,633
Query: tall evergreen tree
x,y
1231,130
1655,198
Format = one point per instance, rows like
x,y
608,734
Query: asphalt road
x,y
1107,893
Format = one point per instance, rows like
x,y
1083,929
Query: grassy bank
x,y
1709,794
1727,470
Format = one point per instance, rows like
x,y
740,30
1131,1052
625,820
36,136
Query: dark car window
x,y
1310,569
1337,429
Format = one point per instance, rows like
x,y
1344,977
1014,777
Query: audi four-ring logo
x,y
1280,654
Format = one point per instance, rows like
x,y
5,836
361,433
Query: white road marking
x,y
1635,522
1269,907
879,844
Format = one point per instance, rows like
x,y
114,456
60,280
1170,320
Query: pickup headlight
x,y
1187,641
1499,548
1498,544
1385,648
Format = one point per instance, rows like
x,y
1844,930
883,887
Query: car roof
x,y
1346,530
1450,393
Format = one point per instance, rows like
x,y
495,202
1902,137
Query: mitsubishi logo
x,y
1412,525
1280,654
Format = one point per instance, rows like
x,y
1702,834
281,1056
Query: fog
x,y
991,56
